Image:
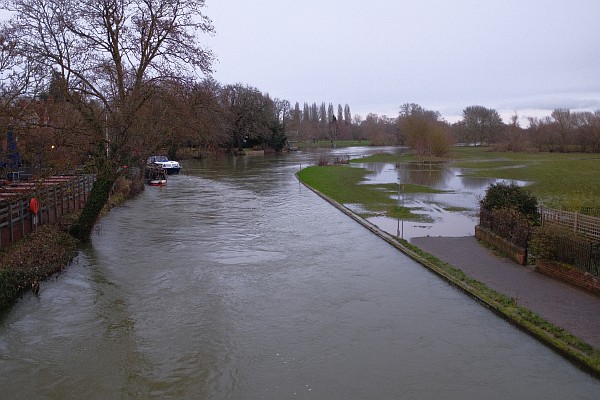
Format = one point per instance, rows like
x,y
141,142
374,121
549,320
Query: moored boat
x,y
155,175
171,167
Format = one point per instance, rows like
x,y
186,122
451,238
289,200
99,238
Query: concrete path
x,y
557,302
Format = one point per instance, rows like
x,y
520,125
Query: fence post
x,y
61,187
10,221
78,186
75,193
22,216
54,201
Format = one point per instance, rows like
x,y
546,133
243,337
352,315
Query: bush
x,y
508,223
30,260
542,242
564,246
502,195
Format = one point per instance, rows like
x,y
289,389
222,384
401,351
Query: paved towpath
x,y
557,302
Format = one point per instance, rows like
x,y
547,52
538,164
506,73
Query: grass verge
x,y
343,183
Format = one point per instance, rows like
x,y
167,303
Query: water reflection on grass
x,y
432,199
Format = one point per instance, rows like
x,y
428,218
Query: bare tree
x,y
513,137
424,131
247,115
412,109
380,130
17,75
208,121
430,139
416,126
294,123
539,132
330,113
590,131
565,124
278,123
482,124
110,54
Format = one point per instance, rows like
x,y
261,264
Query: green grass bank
x,y
342,183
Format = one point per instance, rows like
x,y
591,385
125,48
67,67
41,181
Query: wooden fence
x,y
56,196
580,224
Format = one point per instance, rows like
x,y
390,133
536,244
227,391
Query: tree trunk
x,y
99,194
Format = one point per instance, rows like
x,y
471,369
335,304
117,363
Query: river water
x,y
236,282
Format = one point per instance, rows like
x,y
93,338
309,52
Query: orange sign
x,y
34,205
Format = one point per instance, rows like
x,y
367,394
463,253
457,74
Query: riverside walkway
x,y
559,303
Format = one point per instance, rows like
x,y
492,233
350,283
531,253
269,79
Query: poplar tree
x,y
330,114
347,115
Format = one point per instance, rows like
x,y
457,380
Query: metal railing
x,y
580,247
516,230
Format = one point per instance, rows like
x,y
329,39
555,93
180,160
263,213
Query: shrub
x,y
564,246
33,258
508,223
542,242
502,195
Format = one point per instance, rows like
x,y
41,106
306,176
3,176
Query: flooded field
x,y
453,212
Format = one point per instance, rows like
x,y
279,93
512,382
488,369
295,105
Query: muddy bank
x,y
34,258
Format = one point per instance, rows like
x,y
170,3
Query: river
x,y
236,282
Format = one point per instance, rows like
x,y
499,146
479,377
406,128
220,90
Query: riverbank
x,y
47,251
573,348
34,258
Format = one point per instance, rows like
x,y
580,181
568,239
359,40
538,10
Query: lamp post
x,y
399,232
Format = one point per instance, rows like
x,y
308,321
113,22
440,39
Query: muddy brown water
x,y
236,282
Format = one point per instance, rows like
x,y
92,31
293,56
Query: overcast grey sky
x,y
529,56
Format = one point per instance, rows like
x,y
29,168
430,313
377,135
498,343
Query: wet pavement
x,y
559,303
